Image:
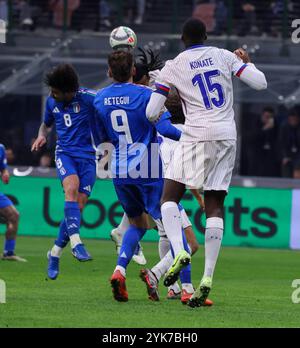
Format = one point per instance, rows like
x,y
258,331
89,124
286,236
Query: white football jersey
x,y
203,78
167,148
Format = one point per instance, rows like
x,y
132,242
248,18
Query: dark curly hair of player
x,y
146,61
63,77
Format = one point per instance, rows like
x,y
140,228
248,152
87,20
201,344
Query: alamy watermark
x,y
3,30
296,292
296,32
137,160
2,291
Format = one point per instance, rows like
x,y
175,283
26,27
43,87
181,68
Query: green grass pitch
x,y
252,288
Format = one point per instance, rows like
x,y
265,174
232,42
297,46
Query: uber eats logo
x,y
263,216
246,221
102,211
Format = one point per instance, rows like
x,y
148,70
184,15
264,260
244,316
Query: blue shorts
x,y
4,201
84,168
138,198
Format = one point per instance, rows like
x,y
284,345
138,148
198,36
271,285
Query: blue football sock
x,y
63,237
136,250
9,247
130,240
72,217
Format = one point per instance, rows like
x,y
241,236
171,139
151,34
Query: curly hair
x,y
63,77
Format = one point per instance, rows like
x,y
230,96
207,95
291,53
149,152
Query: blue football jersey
x,y
73,123
3,161
121,118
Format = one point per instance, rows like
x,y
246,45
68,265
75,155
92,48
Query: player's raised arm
x,y
45,127
160,94
248,72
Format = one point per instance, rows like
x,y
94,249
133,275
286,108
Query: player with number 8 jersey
x,y
71,109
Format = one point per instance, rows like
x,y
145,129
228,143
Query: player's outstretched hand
x,y
39,142
243,55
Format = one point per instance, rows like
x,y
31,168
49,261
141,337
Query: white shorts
x,y
204,165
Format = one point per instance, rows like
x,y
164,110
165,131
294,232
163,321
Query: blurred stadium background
x,y
262,208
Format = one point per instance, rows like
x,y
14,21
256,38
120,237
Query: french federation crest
x,y
76,108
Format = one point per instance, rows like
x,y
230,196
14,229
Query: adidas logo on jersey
x,y
56,110
88,188
72,226
123,255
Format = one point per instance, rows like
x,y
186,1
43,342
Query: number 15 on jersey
x,y
207,87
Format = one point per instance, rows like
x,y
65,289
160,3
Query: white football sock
x,y
75,240
175,287
213,240
122,270
163,246
124,224
56,251
171,218
188,287
164,264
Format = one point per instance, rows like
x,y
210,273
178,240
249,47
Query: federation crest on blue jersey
x,y
76,108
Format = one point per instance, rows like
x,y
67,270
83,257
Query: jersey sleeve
x,y
166,128
48,114
3,161
164,80
89,97
235,64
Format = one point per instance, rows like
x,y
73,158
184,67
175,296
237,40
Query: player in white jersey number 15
x,y
205,154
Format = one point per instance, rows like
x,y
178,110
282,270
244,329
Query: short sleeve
x,y
235,64
48,114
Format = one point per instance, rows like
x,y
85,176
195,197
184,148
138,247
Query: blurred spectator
x,y
264,145
296,174
10,156
45,163
213,13
135,11
26,13
3,10
46,160
247,18
205,11
289,140
104,13
221,14
57,6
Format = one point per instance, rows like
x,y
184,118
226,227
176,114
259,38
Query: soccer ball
x,y
122,37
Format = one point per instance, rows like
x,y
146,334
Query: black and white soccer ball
x,y
122,37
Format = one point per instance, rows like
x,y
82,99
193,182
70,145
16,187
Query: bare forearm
x,y
44,130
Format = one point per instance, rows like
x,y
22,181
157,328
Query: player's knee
x,y
81,205
71,193
14,217
215,212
